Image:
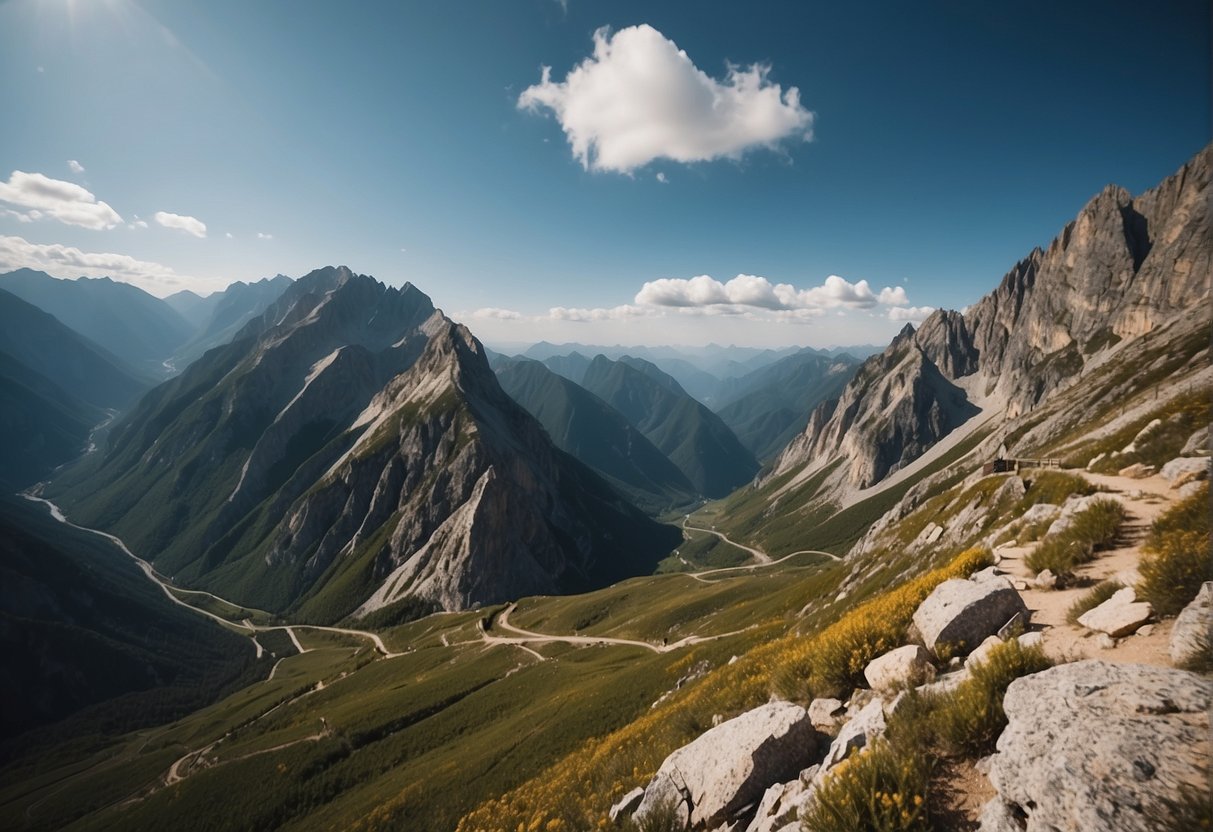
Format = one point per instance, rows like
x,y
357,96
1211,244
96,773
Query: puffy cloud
x,y
910,313
75,166
752,291
229,235
561,313
499,314
181,222
661,177
68,261
639,98
40,196
261,235
895,296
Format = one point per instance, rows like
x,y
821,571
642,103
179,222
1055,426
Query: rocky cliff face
x,y
353,444
1124,267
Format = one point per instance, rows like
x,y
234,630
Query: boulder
x,y
1137,471
783,803
1198,443
859,731
1191,633
997,816
1045,580
1012,628
627,804
1151,426
1073,507
731,766
982,652
1040,513
1189,489
905,665
1033,639
1099,747
827,715
985,574
1118,616
962,613
1193,465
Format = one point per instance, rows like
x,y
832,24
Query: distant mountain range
x,y
55,386
349,450
585,426
154,336
707,373
691,436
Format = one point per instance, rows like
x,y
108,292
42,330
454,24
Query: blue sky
x,y
927,147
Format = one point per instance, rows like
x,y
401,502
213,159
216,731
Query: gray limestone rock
x,y
1100,747
1192,627
962,613
731,766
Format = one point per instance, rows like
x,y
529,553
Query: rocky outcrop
x,y
827,715
1124,267
711,780
1185,466
859,731
1099,747
1192,628
962,613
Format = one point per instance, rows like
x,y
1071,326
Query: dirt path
x,y
527,636
246,625
759,555
1144,500
762,557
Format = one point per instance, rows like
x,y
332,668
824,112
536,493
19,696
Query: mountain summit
x,y
1123,268
351,449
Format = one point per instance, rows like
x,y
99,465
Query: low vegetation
x,y
1178,419
1177,555
576,792
1090,530
897,785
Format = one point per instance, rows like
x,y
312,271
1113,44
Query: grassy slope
x,y
433,732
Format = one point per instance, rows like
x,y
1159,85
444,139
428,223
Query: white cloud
x,y
68,261
181,222
639,98
494,312
749,290
138,224
615,313
895,296
261,235
910,313
75,166
228,234
66,202
662,178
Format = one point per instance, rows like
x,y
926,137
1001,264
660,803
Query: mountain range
x,y
351,449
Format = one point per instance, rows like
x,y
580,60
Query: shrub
x,y
879,789
964,722
967,723
1101,592
1177,555
1091,529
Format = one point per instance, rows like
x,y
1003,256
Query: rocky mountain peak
x,y
1123,267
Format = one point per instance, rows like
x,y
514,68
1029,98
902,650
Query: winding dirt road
x,y
246,625
524,637
762,557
